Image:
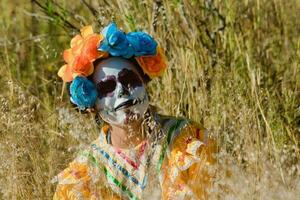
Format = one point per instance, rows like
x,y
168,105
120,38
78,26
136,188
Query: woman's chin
x,y
132,118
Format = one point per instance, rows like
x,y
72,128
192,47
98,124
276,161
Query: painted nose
x,y
122,91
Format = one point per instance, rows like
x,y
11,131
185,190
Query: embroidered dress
x,y
172,167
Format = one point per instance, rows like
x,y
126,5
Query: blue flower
x,y
83,92
115,42
142,43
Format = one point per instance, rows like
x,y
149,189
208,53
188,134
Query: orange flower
x,y
80,56
154,65
65,72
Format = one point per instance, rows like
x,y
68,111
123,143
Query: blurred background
x,y
232,66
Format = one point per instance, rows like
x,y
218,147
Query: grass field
x,y
233,65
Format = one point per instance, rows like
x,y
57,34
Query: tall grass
x,y
233,66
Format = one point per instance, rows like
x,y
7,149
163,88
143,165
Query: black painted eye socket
x,y
106,86
129,78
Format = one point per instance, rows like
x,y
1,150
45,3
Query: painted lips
x,y
127,104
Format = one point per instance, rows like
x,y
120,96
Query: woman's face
x,y
122,98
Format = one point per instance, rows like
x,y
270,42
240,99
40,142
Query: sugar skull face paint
x,y
121,92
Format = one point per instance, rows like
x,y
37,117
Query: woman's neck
x,y
127,137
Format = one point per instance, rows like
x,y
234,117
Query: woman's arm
x,y
73,182
83,180
188,165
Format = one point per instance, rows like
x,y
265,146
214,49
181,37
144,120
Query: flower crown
x,y
89,46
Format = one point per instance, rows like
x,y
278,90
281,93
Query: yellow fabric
x,y
186,170
183,175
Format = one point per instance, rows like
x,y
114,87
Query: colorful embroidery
x,y
101,173
118,166
109,175
119,184
141,152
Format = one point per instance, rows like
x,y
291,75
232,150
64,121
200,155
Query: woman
x,y
139,154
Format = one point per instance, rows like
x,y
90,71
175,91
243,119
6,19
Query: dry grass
x,y
233,65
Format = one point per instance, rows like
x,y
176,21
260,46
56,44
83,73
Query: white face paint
x,y
121,91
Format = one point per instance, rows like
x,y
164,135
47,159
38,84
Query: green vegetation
x,y
233,66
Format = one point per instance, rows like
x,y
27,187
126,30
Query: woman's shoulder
x,y
190,151
178,127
